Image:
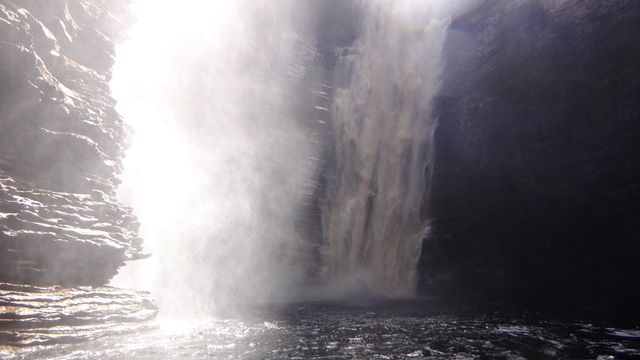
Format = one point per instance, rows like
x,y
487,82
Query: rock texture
x,y
61,238
61,142
536,189
31,316
61,145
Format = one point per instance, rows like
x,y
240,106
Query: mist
x,y
228,103
345,179
217,165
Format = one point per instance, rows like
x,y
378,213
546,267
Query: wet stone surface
x,y
33,316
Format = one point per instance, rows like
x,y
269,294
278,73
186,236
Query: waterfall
x,y
229,104
374,215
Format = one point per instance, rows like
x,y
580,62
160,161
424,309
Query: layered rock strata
x,y
31,315
61,145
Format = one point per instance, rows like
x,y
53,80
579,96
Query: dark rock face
x,y
536,189
61,144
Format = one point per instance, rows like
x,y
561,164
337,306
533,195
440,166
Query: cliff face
x,y
61,145
536,189
61,142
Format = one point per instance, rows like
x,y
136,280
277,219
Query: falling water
x,y
238,111
228,102
374,216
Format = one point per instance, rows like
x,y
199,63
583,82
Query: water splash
x,y
219,159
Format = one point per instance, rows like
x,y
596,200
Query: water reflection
x,y
344,331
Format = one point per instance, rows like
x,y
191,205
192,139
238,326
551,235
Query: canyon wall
x,y
61,145
536,188
535,192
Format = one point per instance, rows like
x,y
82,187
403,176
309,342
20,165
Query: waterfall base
x,y
381,330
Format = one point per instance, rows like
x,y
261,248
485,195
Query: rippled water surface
x,y
399,330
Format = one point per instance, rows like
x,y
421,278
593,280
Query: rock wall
x,y
536,189
61,145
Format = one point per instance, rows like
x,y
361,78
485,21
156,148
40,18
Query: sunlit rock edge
x,y
63,234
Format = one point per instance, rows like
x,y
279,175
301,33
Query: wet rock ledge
x,y
62,233
31,315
